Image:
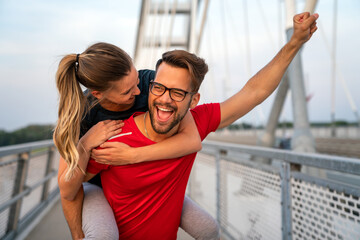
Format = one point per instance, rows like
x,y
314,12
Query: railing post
x,y
19,186
49,167
221,193
218,186
286,201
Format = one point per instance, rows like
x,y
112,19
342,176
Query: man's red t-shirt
x,y
147,198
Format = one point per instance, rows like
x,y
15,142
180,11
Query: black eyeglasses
x,y
176,94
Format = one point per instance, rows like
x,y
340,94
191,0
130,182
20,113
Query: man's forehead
x,y
174,77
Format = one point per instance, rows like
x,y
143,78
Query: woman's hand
x,y
115,153
100,132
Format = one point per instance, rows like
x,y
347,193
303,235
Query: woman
x,y
115,90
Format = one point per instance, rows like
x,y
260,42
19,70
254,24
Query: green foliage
x,y
338,123
240,126
30,133
341,123
285,125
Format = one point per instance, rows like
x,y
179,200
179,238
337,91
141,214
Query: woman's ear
x,y
97,94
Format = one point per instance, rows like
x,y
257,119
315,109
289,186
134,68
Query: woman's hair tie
x,y
77,62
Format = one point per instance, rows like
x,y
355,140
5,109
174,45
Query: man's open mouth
x,y
164,113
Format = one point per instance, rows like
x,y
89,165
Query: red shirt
x,y
147,198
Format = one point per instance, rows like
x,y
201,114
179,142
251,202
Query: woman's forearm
x,y
69,189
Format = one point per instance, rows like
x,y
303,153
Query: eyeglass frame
x,y
152,83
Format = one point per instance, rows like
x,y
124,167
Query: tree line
x,y
39,132
244,125
30,133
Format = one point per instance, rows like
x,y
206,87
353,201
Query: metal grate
x,y
252,201
36,172
203,183
323,213
250,198
53,181
7,178
4,216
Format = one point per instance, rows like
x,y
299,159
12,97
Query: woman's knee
x,y
108,233
97,217
211,232
197,222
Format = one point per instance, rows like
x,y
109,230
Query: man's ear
x,y
97,94
195,100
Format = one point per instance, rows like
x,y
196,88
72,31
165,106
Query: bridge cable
x,y
152,33
333,80
209,44
340,74
225,49
165,16
171,25
263,17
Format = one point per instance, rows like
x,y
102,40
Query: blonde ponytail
x,y
71,109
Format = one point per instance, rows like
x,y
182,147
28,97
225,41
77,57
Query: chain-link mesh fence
x,y
255,200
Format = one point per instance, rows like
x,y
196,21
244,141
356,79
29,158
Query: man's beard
x,y
177,117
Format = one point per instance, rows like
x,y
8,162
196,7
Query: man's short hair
x,y
183,59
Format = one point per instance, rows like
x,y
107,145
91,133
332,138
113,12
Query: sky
x,y
35,35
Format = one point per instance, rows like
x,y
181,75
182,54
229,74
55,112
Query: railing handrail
x,y
24,147
21,187
329,162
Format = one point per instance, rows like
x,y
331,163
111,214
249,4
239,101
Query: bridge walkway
x,y
53,226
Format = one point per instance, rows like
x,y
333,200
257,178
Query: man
x,y
147,197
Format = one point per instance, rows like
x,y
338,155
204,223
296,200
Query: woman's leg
x,y
197,222
98,221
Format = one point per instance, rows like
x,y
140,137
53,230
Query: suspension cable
x,y
171,25
226,57
263,17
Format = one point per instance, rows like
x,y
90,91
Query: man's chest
x,y
155,175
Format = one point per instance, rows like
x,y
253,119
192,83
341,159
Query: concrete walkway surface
x,y
53,226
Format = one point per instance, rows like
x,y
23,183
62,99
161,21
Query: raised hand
x,y
304,26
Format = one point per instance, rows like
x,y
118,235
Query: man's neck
x,y
143,123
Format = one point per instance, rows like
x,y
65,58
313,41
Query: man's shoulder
x,y
129,129
207,118
146,74
205,108
129,124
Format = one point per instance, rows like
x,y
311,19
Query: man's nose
x,y
165,98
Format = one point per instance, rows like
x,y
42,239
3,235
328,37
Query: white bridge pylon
x,y
166,25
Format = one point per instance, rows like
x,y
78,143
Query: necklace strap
x,y
146,132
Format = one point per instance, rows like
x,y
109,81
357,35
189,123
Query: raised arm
x,y
263,83
116,153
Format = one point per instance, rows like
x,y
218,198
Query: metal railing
x,y
27,184
249,199
254,200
